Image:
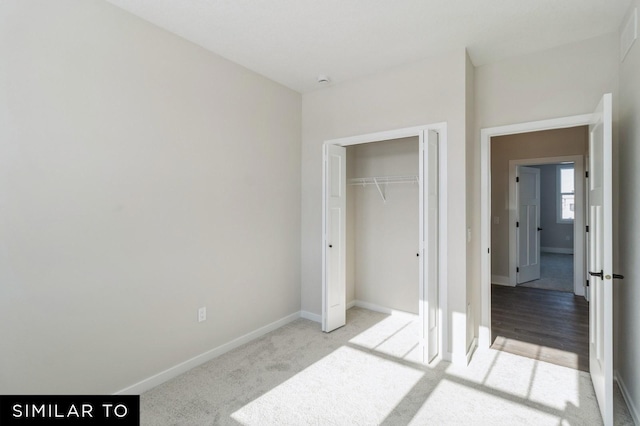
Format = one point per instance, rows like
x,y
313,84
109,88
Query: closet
x,y
382,225
382,216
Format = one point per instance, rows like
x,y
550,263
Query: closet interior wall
x,y
382,237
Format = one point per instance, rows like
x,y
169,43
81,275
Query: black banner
x,y
69,410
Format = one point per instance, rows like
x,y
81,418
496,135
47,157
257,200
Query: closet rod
x,y
383,180
377,180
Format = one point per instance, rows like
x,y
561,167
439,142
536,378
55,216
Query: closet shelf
x,y
378,180
383,180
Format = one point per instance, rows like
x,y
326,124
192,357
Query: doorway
x,y
528,317
600,237
562,216
431,241
546,236
489,198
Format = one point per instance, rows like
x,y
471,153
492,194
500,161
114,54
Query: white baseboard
x,y
318,318
556,250
500,280
311,316
381,309
634,410
187,365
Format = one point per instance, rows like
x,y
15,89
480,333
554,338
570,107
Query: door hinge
x,y
517,269
586,174
587,228
517,179
587,283
489,250
517,224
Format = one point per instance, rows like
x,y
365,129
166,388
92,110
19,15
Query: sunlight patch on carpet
x,y
397,336
347,385
454,403
545,385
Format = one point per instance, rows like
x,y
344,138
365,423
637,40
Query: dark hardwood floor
x,y
548,325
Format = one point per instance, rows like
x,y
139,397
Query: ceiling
x,y
293,41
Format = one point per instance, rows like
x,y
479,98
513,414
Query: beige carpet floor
x,y
365,374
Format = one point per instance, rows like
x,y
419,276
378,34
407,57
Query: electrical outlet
x,y
202,314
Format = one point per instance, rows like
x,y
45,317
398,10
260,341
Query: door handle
x,y
597,274
330,245
539,229
601,275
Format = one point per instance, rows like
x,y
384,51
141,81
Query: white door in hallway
x,y
334,239
528,235
601,257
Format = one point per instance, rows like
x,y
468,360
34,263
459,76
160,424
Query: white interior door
x,y
334,239
601,258
430,326
528,232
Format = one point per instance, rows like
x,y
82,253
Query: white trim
x,y
579,265
484,333
441,129
500,280
443,241
633,409
183,367
383,309
382,136
349,305
311,316
557,250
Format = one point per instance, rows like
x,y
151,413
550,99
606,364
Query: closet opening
x,y
382,214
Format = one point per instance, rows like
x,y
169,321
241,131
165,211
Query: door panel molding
x,y
527,234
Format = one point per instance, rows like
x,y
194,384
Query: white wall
x,y
431,91
141,177
385,235
628,339
568,80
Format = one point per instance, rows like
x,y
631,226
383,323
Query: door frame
x,y
484,332
579,256
418,131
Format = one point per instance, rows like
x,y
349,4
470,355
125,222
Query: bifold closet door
x,y
334,241
429,276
